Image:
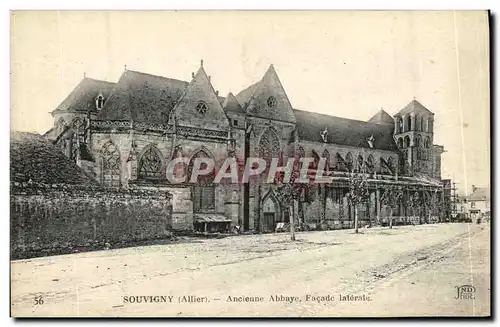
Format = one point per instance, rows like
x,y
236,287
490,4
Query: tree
x,y
289,193
414,203
391,197
358,193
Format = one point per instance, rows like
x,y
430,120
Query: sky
x,y
343,63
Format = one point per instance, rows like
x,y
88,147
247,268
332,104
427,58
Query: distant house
x,y
477,204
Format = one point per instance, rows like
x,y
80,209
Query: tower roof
x,y
381,117
414,106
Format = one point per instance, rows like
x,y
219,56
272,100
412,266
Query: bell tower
x,y
414,135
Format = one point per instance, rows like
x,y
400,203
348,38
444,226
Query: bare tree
x,y
391,197
358,193
288,194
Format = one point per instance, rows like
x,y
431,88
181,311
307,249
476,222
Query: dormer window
x,y
99,102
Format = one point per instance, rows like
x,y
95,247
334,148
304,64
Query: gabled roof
x,y
32,157
479,194
381,117
244,96
344,131
414,106
232,105
83,96
254,99
200,90
142,98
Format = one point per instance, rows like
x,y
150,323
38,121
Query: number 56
x,y
38,300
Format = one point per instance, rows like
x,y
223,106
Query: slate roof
x,y
244,96
343,131
32,157
231,104
479,194
414,106
381,117
142,97
82,98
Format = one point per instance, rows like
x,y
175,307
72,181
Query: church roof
x,y
142,97
231,104
381,117
343,131
244,96
83,96
414,106
32,157
255,98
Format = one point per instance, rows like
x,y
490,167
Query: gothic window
x,y
300,152
390,164
60,125
349,161
400,122
408,123
427,143
418,141
269,145
400,142
326,155
422,123
361,162
203,190
201,107
406,142
150,164
370,164
110,165
271,102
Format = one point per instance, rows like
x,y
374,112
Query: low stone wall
x,y
48,219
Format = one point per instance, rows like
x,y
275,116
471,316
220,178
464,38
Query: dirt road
x,y
405,271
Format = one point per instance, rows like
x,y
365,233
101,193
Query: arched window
x,y
150,164
427,144
406,142
370,164
418,141
315,163
421,123
349,161
400,142
360,163
400,122
110,165
408,123
269,145
390,164
326,155
204,190
60,125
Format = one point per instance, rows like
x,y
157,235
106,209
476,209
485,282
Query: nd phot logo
x,y
465,292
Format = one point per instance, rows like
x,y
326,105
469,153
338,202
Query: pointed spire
x,y
201,63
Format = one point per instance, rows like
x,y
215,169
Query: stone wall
x,y
49,219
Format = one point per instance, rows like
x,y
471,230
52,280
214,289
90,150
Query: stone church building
x,y
125,133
